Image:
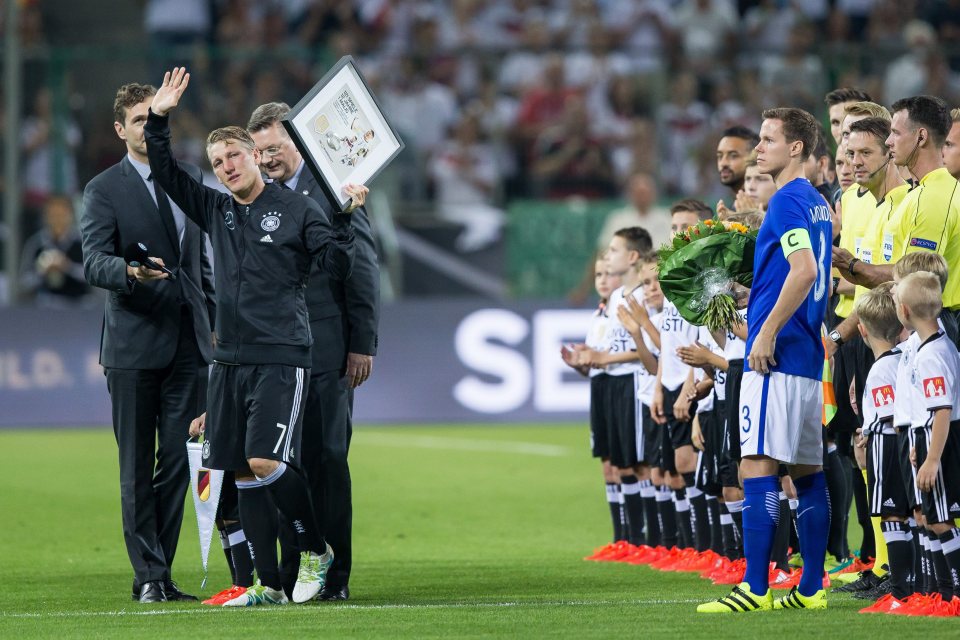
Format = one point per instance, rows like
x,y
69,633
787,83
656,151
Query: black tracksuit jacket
x,y
262,257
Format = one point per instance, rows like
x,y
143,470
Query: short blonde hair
x,y
922,261
920,292
230,134
878,313
751,159
868,109
751,218
955,115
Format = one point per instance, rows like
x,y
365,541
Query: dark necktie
x,y
166,215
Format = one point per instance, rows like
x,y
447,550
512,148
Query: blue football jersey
x,y
796,207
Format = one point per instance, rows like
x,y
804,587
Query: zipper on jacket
x,y
236,300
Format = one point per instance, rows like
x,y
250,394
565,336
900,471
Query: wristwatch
x,y
836,337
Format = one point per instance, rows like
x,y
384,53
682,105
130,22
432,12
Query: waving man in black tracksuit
x,y
264,240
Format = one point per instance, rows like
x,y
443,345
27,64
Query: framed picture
x,y
341,131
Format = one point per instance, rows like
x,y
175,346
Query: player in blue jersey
x,y
781,396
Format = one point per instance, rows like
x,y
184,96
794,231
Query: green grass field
x,y
459,532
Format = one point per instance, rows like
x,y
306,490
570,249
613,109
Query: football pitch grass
x,y
462,531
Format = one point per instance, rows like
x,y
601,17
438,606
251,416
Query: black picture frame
x,y
336,152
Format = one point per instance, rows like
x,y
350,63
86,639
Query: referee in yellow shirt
x,y
928,217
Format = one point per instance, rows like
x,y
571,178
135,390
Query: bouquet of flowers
x,y
699,267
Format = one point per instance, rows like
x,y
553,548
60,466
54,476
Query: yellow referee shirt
x,y
871,246
928,219
855,211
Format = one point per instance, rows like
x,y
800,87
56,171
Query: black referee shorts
x,y
599,438
885,488
254,411
734,380
907,472
942,504
709,460
679,431
624,428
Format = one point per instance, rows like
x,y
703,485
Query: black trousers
x,y
325,442
152,410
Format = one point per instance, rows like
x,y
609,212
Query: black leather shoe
x,y
331,592
152,592
173,593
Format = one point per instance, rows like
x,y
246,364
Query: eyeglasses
x,y
270,152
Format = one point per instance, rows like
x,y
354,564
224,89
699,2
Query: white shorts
x,y
780,416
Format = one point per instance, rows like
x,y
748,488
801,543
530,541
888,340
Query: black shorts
x,y
680,432
942,504
708,461
624,428
734,379
666,459
907,472
651,436
599,438
885,488
844,369
254,411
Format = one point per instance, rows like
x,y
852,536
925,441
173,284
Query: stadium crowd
x,y
527,98
669,415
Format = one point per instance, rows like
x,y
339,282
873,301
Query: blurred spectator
x,y
645,28
173,24
51,269
767,26
542,105
467,183
569,160
705,27
614,113
797,77
48,142
422,110
593,66
684,124
857,13
522,68
907,75
641,211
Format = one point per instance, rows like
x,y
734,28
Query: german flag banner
x,y
205,486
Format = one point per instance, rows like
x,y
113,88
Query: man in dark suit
x,y
155,343
343,321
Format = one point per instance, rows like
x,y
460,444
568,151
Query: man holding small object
x,y
265,241
155,344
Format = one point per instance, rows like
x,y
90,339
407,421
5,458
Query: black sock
x,y
699,520
727,531
835,470
794,533
735,507
950,545
716,531
613,501
941,568
242,563
928,582
259,517
684,518
668,517
289,492
781,539
918,559
633,503
648,494
900,556
868,546
225,543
